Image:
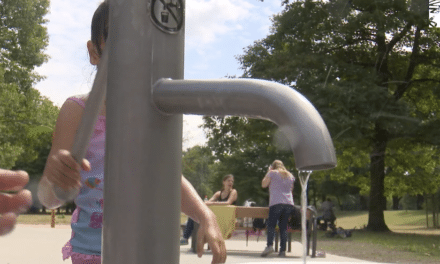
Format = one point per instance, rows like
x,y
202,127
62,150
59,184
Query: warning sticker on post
x,y
168,15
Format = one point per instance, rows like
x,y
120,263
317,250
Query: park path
x,y
40,244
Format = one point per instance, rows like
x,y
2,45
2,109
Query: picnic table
x,y
227,215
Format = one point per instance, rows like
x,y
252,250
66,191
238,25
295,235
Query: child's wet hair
x,y
100,25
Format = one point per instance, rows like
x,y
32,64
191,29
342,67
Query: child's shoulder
x,y
79,99
71,110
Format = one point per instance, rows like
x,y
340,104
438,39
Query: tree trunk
x,y
420,200
396,200
364,202
426,209
376,219
434,220
436,209
339,203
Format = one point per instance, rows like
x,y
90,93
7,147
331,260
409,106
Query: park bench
x,y
263,212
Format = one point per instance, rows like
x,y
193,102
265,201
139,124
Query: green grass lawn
x,y
397,221
43,219
387,247
409,242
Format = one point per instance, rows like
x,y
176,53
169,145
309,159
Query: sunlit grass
x,y
422,244
43,219
397,221
384,247
409,235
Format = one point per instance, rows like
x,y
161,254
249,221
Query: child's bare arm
x,y
191,203
215,197
209,230
61,169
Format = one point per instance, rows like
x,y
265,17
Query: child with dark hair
x,y
62,170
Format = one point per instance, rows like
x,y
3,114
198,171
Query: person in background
x,y
328,216
226,196
280,183
16,202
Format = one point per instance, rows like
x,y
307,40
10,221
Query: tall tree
x,y
37,137
366,66
197,167
23,38
409,168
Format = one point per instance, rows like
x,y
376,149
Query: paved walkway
x,y
30,244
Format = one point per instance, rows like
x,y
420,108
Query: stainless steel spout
x,y
293,113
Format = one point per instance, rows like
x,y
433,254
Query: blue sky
x,y
216,32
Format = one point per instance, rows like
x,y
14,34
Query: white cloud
x,y
192,133
206,20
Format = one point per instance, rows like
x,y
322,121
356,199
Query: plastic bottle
x,y
65,196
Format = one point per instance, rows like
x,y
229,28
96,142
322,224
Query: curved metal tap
x,y
293,113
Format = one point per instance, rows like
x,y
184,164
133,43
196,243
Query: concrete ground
x,y
36,244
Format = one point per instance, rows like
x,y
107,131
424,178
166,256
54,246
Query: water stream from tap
x,y
304,179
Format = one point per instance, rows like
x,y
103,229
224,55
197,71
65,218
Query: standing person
x,y
62,170
280,183
226,196
12,204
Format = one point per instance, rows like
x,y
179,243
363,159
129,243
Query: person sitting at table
x,y
226,196
280,183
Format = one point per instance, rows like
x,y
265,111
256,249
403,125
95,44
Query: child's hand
x,y
64,171
209,232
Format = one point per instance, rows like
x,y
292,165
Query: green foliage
x,y
8,103
371,70
26,118
411,167
38,137
23,37
197,167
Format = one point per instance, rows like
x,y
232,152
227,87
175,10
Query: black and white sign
x,y
168,15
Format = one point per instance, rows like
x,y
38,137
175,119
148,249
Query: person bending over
x,y
280,183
